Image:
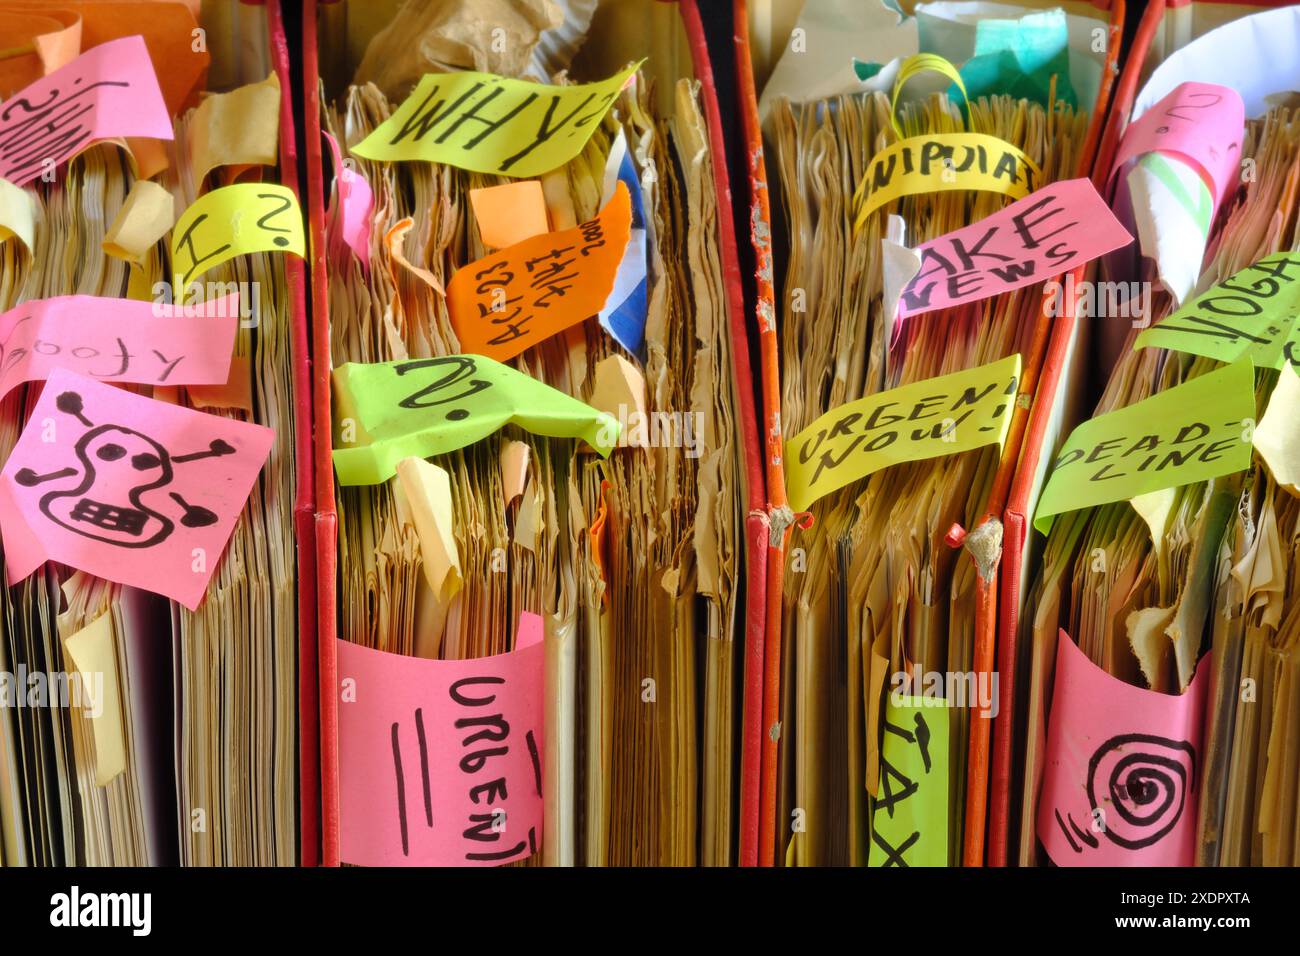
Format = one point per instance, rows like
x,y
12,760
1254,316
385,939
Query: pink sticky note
x,y
1199,123
351,213
440,762
118,340
1123,765
126,488
108,92
1047,233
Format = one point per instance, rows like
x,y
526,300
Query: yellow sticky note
x,y
493,124
941,162
240,128
940,416
509,213
1277,439
92,653
1252,314
388,411
17,216
428,491
1193,432
144,218
234,221
909,814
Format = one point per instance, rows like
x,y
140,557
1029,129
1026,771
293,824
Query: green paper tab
x,y
909,815
1193,432
393,410
1251,315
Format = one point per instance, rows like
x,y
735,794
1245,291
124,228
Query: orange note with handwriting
x,y
511,300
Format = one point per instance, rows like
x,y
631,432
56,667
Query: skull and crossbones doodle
x,y
102,452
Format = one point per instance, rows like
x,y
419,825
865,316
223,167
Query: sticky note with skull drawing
x,y
126,488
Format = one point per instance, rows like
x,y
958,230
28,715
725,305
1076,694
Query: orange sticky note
x,y
511,213
511,300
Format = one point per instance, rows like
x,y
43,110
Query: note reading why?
x,y
492,124
388,411
126,488
940,416
1250,315
1199,123
118,340
108,92
234,221
511,300
940,162
440,762
1192,432
909,815
1047,233
1122,769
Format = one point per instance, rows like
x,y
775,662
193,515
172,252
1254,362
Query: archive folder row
x,y
637,433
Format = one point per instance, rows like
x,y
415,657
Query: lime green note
x,y
1251,315
909,815
393,410
939,416
1198,430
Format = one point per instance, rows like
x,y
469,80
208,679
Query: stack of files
x,y
1157,705
879,675
542,476
148,494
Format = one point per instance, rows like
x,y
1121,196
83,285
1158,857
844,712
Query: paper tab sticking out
x,y
427,489
1172,209
900,265
909,815
118,340
350,213
440,762
126,488
1058,227
239,129
234,221
1122,770
1277,439
491,124
145,217
109,92
510,213
626,308
1195,431
92,653
511,300
939,416
17,214
1251,315
393,410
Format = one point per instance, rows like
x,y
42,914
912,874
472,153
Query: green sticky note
x,y
1250,315
388,411
909,814
1193,432
1020,57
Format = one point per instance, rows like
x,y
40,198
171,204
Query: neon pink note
x,y
440,762
108,92
351,213
1047,233
118,340
126,488
1123,765
1199,123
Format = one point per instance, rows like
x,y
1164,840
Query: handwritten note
x,y
106,93
421,407
511,300
940,416
1198,123
1048,232
909,815
491,124
118,340
234,221
440,762
1192,432
1250,315
126,488
941,162
350,214
1122,770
